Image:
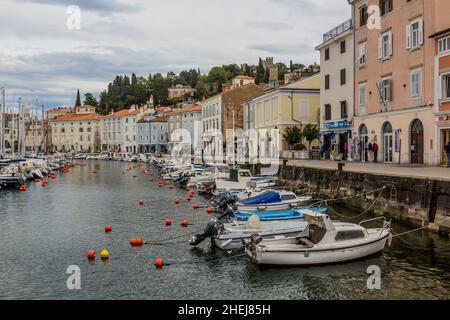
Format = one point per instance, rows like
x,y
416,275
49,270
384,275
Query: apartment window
x,y
386,89
414,34
80,130
344,113
327,82
362,54
343,46
62,130
327,112
446,86
416,83
444,44
385,6
343,77
327,54
304,109
385,46
363,16
362,95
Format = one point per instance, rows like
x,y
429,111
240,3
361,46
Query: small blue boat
x,y
278,215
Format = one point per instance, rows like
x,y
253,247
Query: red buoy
x,y
159,263
188,198
195,206
184,223
136,242
177,201
168,222
141,202
108,228
170,187
91,254
209,210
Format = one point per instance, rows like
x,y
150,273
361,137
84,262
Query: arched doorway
x,y
388,134
363,143
417,142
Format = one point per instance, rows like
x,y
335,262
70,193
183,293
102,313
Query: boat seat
x,y
305,241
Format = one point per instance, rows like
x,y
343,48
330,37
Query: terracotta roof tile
x,y
77,117
188,109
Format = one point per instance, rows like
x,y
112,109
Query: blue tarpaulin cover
x,y
263,198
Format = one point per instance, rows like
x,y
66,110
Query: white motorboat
x,y
272,200
242,179
322,242
231,235
210,174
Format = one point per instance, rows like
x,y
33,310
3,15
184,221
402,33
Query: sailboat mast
x,y
2,122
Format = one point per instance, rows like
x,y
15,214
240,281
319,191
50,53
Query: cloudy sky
x,y
40,58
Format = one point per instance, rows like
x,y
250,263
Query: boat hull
x,y
306,257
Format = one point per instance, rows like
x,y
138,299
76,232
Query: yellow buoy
x,y
104,254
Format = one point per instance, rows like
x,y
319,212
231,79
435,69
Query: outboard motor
x,y
224,200
211,230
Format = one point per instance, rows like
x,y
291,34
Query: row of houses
x,y
384,78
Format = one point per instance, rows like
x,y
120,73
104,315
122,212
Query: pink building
x,y
395,79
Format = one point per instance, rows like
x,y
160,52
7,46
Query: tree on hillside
x,y
90,100
78,101
293,135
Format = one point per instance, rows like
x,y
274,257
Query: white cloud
x,y
41,58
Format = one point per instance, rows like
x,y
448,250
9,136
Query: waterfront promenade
x,y
406,171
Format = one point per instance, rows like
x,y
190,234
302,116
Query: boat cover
x,y
280,215
263,198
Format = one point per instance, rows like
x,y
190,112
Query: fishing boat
x,y
272,200
322,242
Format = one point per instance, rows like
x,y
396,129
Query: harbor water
x,y
45,230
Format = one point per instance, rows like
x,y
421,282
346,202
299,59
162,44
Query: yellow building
x,y
78,131
296,104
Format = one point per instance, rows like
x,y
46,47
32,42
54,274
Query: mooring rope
x,y
359,215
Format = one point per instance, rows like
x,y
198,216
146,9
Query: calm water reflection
x,y
44,230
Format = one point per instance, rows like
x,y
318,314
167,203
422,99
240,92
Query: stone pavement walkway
x,y
408,171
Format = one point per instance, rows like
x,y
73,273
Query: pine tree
x,y
78,102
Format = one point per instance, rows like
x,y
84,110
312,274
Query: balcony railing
x,y
333,33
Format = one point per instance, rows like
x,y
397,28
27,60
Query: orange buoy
x,y
195,206
184,223
209,210
136,242
141,202
159,263
168,222
91,254
177,201
108,228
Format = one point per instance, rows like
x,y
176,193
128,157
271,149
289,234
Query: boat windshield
x,y
244,174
